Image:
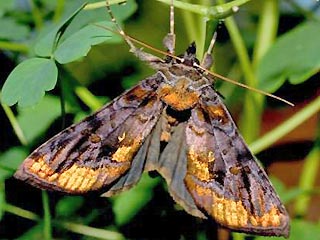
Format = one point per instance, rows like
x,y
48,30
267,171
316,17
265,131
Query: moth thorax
x,y
179,95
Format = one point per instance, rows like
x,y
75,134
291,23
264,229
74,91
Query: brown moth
x,y
173,122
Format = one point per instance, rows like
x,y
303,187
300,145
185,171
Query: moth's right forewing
x,y
223,177
94,153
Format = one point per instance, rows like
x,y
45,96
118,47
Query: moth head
x,y
189,56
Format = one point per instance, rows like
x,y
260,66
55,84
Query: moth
x,y
173,122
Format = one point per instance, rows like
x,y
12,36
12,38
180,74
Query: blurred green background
x,y
272,45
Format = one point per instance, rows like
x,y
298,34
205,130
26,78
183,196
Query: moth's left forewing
x,y
222,176
95,152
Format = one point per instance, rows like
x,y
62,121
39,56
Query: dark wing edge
x,y
223,177
92,154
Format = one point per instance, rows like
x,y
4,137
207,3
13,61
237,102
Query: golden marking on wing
x,y
76,178
135,93
165,136
122,137
198,164
126,152
211,156
217,112
231,213
235,170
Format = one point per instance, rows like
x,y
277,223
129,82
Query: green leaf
x,y
6,6
45,46
39,116
2,198
35,232
28,82
79,44
129,203
11,30
300,229
10,160
68,205
294,56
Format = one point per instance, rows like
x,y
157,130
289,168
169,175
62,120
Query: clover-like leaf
x,y
45,46
79,44
294,56
28,82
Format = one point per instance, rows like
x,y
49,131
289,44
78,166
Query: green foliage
x,y
128,204
52,45
56,41
294,56
31,72
72,49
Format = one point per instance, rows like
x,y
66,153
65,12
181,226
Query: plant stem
x,y
15,125
215,12
308,178
47,229
88,98
11,46
286,127
37,15
73,227
267,29
58,11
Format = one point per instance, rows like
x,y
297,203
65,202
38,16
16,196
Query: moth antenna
x,y
243,85
207,60
169,40
120,30
141,43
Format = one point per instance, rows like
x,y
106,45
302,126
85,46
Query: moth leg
x,y
169,41
143,56
207,60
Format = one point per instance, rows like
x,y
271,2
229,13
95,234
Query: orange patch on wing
x,y
136,93
178,96
127,151
217,112
77,178
198,164
232,213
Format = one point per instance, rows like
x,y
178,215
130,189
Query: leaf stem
x,y
216,12
267,29
36,14
102,4
47,228
91,232
88,98
15,125
58,10
21,212
308,178
11,46
72,227
286,127
250,119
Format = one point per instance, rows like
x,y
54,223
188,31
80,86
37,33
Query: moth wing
x,y
92,154
171,165
223,177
